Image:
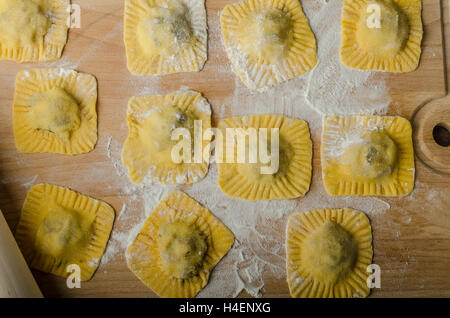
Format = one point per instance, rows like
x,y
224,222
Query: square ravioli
x,y
178,246
247,180
165,36
59,227
55,111
33,30
327,253
154,122
267,41
367,155
382,35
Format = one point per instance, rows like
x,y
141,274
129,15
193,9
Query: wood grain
x,y
16,280
434,155
411,240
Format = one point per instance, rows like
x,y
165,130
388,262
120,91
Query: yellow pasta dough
x,y
247,180
59,227
367,155
268,41
33,30
165,36
178,246
150,152
328,252
55,111
382,35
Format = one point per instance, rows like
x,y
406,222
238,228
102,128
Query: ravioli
x,y
247,180
328,252
268,42
55,111
149,149
367,155
178,246
382,35
165,36
33,30
59,227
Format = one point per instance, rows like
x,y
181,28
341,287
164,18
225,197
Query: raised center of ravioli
x,y
164,30
392,33
374,157
56,111
182,248
161,124
22,23
61,231
252,171
329,253
266,35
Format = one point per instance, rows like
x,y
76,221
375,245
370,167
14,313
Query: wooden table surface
x,y
411,240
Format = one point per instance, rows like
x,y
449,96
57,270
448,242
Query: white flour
x,y
259,251
30,183
334,89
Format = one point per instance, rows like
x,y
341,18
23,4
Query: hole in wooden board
x,y
441,135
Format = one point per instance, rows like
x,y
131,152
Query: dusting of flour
x,y
334,89
259,250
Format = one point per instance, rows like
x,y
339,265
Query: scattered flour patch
x,y
432,194
116,245
30,183
334,89
114,151
122,214
318,198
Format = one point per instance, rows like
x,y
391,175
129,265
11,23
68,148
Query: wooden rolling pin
x,y
16,280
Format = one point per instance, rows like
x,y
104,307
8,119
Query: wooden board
x,y
411,240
